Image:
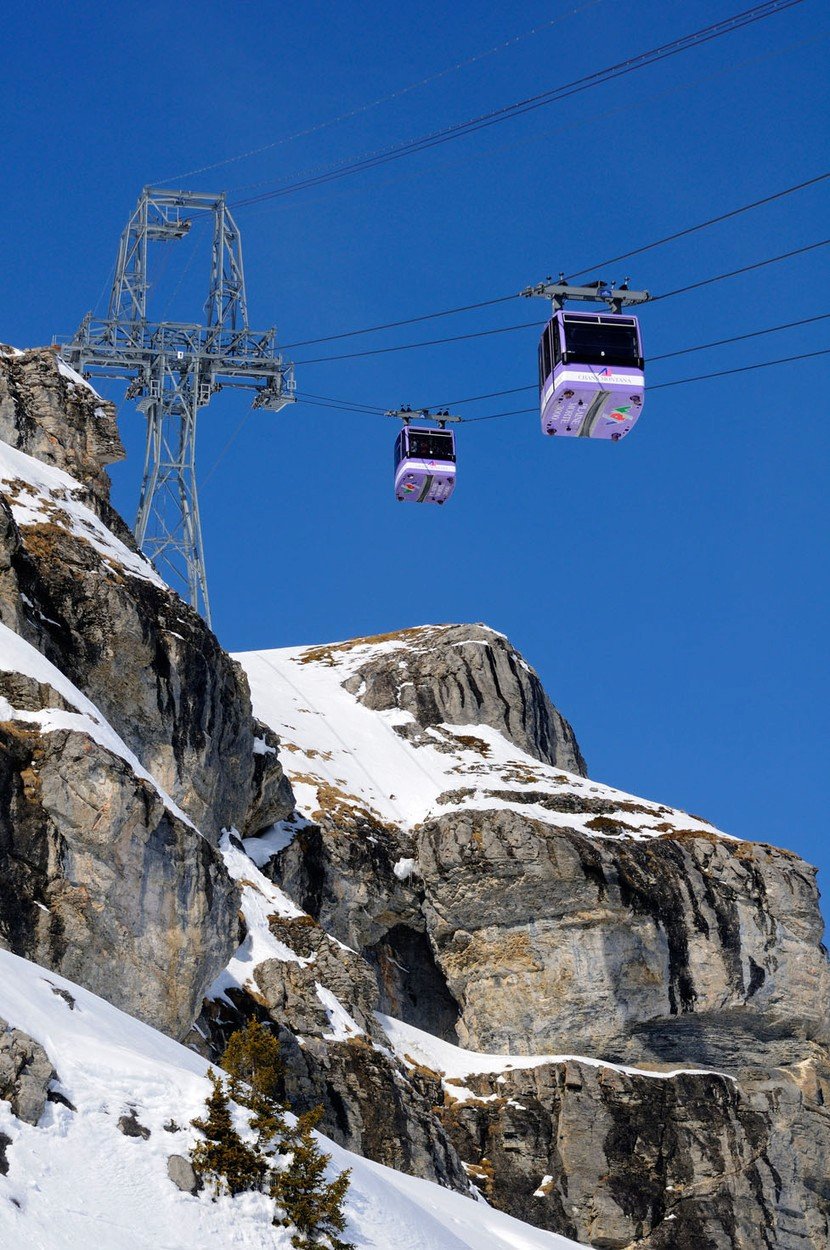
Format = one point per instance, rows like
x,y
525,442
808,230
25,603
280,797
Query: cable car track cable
x,y
496,416
523,325
683,351
367,409
503,299
394,95
716,30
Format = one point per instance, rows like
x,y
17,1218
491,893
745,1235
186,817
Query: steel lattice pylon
x,y
173,370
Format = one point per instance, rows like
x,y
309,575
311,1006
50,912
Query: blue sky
x,y
672,589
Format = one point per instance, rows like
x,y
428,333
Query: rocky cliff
x,y
128,741
606,1015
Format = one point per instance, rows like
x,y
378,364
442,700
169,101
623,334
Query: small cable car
x,y
424,465
591,381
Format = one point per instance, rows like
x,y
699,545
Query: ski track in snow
x,y
327,736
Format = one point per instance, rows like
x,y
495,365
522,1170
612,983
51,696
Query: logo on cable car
x,y
620,413
410,486
606,373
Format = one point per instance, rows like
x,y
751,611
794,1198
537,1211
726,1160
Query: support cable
x,y
523,325
503,299
599,77
384,99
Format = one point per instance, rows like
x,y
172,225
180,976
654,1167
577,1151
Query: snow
x,y
342,1025
19,656
76,1181
414,1046
404,869
40,493
76,379
260,900
334,746
272,840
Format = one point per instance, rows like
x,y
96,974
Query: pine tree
x,y
223,1160
313,1205
252,1061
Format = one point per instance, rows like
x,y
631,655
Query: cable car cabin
x,y
591,380
424,465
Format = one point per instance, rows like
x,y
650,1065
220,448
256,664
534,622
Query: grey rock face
x,y
25,1074
683,948
619,1160
272,798
58,420
134,648
370,1103
131,1127
468,675
102,883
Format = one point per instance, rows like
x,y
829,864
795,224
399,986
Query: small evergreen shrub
x,y
283,1161
223,1160
313,1205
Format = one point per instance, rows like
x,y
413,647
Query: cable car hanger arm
x,y
597,292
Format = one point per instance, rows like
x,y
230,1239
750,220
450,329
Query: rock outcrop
x,y
25,1074
127,741
685,946
80,593
467,675
620,1160
103,882
519,909
49,412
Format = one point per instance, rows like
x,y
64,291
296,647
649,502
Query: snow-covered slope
x,y
336,750
75,1180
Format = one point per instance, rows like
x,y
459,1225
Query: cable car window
x,y
546,364
556,351
431,445
595,343
398,449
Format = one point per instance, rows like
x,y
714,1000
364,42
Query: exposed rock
x,y
145,658
467,675
289,988
688,948
5,1142
180,1171
103,883
25,1073
272,798
370,1105
130,1126
54,416
341,871
621,1160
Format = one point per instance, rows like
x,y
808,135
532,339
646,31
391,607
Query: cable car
x,y
424,465
591,380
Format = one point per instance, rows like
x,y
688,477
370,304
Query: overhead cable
x,y
502,299
384,99
460,129
523,325
683,351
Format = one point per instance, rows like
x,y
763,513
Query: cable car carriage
x,y
424,464
591,381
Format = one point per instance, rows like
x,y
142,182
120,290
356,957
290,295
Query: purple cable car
x,y
424,465
590,375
